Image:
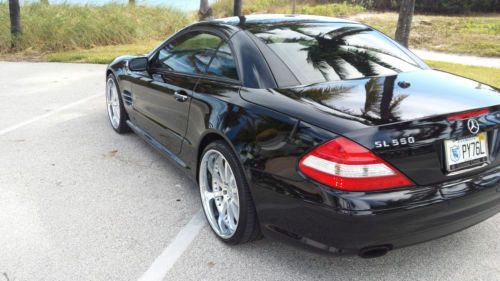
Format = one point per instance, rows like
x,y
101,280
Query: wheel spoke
x,y
116,109
223,211
217,178
220,167
228,217
221,224
210,165
235,211
231,217
227,171
214,194
232,183
223,214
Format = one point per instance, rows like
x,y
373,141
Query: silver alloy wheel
x,y
113,103
219,193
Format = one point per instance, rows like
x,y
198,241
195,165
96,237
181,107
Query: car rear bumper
x,y
349,222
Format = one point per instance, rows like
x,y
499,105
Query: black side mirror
x,y
138,64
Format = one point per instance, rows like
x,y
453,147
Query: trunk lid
x,y
410,109
390,99
417,148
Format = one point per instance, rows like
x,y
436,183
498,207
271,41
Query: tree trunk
x,y
45,2
205,11
237,8
404,22
131,2
15,22
293,6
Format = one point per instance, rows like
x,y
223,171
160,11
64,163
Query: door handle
x,y
180,96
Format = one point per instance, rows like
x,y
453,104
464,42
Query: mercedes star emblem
x,y
473,126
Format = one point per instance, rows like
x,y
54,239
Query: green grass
x,y
487,75
102,54
475,35
52,28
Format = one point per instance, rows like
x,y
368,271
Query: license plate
x,y
466,152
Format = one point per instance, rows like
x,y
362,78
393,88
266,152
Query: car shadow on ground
x,y
455,253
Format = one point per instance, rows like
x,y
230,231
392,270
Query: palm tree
x,y
404,22
205,11
15,22
237,7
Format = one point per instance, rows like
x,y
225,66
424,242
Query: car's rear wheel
x,y
225,196
114,104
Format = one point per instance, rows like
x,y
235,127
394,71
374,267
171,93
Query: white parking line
x,y
48,114
165,261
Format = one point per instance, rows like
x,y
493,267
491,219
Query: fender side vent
x,y
127,98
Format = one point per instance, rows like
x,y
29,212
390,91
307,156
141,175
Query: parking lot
x,y
80,202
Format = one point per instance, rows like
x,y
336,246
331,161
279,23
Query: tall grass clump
x,y
224,8
338,10
50,28
5,40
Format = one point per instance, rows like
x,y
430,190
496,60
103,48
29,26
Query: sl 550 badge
x,y
394,142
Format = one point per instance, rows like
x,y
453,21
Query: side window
x,y
223,63
189,54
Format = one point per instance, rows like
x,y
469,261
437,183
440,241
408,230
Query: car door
x,y
212,100
163,94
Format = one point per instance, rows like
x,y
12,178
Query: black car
x,y
316,130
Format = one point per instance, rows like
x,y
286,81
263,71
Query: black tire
x,y
248,228
122,126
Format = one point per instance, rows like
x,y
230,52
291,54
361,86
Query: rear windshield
x,y
319,52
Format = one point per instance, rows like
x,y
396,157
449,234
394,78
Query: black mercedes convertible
x,y
316,130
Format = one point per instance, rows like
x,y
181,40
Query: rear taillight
x,y
346,165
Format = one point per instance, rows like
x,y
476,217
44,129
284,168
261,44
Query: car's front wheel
x,y
225,195
114,104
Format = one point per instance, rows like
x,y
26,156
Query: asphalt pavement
x,y
80,202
